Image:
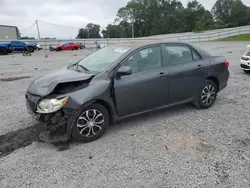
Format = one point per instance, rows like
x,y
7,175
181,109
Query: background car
x,y
245,60
20,46
68,46
5,49
82,46
38,46
121,81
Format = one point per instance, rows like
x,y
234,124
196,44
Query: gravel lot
x,y
177,147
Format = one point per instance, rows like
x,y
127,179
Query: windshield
x,y
102,59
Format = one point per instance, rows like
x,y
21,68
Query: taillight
x,y
227,63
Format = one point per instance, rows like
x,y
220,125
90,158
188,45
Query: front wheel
x,y
207,95
91,123
3,51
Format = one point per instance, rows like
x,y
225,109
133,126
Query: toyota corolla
x,y
121,81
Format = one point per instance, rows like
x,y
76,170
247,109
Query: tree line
x,y
154,17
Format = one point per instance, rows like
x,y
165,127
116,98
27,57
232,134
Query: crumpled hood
x,y
45,84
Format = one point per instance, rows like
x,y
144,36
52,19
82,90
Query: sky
x,y
73,13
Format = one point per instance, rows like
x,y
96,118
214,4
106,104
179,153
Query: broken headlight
x,y
46,106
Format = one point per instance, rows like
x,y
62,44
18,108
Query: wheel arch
x,y
215,80
104,103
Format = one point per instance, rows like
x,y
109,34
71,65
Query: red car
x,y
68,46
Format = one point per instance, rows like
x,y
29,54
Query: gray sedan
x,y
121,81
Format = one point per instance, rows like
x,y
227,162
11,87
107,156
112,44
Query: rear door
x,y
186,71
146,88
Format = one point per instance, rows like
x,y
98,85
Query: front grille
x,y
245,66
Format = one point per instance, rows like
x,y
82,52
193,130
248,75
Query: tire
x,y
75,48
86,133
209,89
59,49
31,49
3,51
247,71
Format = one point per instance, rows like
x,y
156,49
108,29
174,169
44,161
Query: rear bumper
x,y
223,79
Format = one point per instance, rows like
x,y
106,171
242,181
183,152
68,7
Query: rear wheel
x,y
75,48
207,95
91,123
31,49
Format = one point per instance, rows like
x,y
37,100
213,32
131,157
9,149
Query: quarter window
x,y
196,56
181,54
146,59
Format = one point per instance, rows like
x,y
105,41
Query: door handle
x,y
162,75
200,67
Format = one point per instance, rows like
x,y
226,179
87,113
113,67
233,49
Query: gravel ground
x,y
177,147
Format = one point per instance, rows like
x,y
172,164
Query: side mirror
x,y
124,70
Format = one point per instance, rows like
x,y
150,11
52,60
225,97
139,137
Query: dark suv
x,y
120,81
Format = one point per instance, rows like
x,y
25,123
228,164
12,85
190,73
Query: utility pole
x,y
108,31
133,31
133,28
38,32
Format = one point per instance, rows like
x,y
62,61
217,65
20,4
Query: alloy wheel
x,y
208,94
90,123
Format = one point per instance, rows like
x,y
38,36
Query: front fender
x,y
96,91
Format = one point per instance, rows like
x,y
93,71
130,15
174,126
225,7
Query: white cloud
x,y
75,13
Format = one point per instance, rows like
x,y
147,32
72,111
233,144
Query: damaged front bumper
x,y
54,126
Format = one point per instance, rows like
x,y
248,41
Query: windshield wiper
x,y
84,68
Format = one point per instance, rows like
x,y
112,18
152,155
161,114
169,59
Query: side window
x,y
146,59
179,54
14,42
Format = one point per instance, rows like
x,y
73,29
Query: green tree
x,y
83,33
90,31
231,13
197,17
112,31
93,30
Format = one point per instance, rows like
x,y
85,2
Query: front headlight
x,y
47,106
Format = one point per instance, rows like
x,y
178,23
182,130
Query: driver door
x,y
146,87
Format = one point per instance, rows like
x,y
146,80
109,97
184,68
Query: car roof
x,y
135,44
141,43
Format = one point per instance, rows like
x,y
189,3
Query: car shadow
x,y
24,137
152,115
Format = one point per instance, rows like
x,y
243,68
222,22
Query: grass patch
x,y
244,37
